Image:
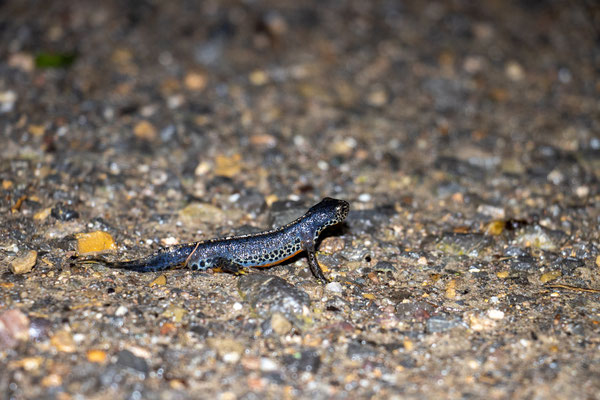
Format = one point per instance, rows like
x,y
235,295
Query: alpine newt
x,y
234,254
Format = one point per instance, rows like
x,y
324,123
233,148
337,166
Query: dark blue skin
x,y
234,254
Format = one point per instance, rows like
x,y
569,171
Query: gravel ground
x,y
465,135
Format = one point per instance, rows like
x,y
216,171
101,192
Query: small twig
x,y
191,254
569,287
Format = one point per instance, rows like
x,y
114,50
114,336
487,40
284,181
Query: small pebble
x,y
175,313
332,245
268,365
127,360
7,101
451,289
228,166
14,327
43,214
441,323
495,314
96,356
159,281
195,81
22,61
258,77
334,287
51,380
514,71
503,274
492,211
94,242
495,228
364,198
229,350
63,342
304,361
24,263
122,310
145,130
29,363
377,98
280,324
550,276
202,168
263,140
197,213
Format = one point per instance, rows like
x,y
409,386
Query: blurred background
x,y
465,135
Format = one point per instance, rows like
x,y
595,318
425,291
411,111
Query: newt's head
x,y
329,212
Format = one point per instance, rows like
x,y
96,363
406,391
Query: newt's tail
x,y
161,260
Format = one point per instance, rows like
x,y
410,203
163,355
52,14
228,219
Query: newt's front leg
x,y
314,264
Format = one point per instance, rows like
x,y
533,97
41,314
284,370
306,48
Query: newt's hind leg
x,y
227,265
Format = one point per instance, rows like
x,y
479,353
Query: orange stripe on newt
x,y
280,261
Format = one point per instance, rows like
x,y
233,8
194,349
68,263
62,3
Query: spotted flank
x,y
234,254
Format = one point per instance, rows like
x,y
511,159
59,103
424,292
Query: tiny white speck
x,y
231,358
323,166
237,306
234,197
365,197
78,337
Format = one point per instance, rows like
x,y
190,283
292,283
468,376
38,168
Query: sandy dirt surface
x,y
465,135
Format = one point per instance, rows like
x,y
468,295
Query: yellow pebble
x,y
494,228
228,166
550,276
40,215
502,274
94,242
159,281
145,130
97,356
451,289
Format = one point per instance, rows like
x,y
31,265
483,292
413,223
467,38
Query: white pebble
x,y
364,197
78,337
7,101
495,314
231,358
237,306
268,365
334,287
122,310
